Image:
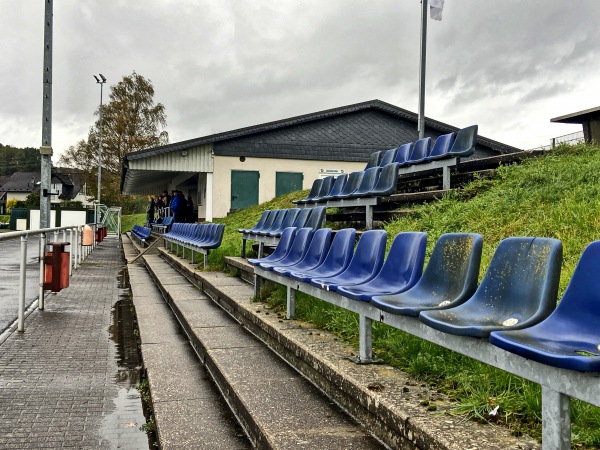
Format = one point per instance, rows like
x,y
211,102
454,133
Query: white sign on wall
x,y
330,172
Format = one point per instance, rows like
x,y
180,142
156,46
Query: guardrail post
x,y
21,317
257,282
446,177
42,271
70,252
75,246
556,420
291,303
368,217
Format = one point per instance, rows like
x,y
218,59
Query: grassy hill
x,y
556,195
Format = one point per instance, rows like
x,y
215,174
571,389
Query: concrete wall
x,y
223,165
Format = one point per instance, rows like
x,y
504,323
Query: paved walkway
x,y
68,381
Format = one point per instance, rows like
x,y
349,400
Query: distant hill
x,y
14,159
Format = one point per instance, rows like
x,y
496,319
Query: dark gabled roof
x,y
3,179
373,105
579,117
22,182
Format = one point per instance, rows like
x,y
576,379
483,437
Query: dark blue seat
x,y
401,270
296,253
449,278
570,337
314,190
388,157
420,151
464,144
267,224
277,221
315,254
518,290
351,185
364,266
374,159
403,154
258,225
325,189
282,249
387,181
288,221
337,259
316,218
441,147
302,217
211,238
368,182
337,187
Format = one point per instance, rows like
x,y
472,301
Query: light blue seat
x,y
282,249
518,290
315,254
297,250
570,337
449,278
401,270
365,264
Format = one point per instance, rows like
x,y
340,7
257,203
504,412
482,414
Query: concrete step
x,y
277,407
188,411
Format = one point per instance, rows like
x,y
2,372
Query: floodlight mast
x,y
46,147
101,83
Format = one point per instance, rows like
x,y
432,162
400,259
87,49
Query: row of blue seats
x,y
381,173
514,305
273,222
163,224
142,233
196,235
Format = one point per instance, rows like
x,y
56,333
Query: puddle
x,y
123,428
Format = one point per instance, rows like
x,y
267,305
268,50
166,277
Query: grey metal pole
x,y
46,148
21,316
101,83
421,120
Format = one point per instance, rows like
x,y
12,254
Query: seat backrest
x,y
316,218
369,180
464,144
277,221
403,153
268,221
374,159
301,218
387,181
262,220
325,188
340,251
369,254
521,282
352,184
282,249
289,219
314,190
388,157
338,185
442,146
216,236
453,268
421,150
298,247
317,250
406,257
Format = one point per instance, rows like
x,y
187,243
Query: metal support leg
x,y
368,217
291,303
261,249
42,271
21,316
446,178
243,248
205,260
257,281
365,341
556,420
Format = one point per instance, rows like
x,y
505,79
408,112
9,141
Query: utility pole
x,y
101,82
421,120
46,148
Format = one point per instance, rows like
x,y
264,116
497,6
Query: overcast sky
x,y
218,65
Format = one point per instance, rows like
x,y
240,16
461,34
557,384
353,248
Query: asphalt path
x,y
10,254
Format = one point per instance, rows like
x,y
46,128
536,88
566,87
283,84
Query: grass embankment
x,y
557,195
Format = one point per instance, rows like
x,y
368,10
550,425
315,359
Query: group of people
x,y
179,207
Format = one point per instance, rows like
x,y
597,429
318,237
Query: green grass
x,y
128,221
556,195
5,219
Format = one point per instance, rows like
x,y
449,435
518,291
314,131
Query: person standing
x,y
150,207
190,209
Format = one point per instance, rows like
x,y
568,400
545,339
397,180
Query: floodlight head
x,y
97,79
103,79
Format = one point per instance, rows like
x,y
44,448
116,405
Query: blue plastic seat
x,y
518,290
464,144
441,147
449,278
337,187
570,337
351,185
374,159
337,259
325,189
368,182
401,270
267,224
282,249
364,266
302,217
288,221
420,151
316,218
403,154
314,190
315,254
277,221
213,236
258,225
296,253
387,181
388,157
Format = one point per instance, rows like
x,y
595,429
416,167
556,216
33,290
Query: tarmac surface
x,y
69,380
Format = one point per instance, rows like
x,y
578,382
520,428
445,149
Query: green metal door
x,y
286,182
244,188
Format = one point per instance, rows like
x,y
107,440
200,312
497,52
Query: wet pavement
x,y
10,253
69,380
